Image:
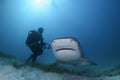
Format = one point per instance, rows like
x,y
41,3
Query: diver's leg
x,y
34,58
29,58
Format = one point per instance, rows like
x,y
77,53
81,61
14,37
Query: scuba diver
x,y
36,44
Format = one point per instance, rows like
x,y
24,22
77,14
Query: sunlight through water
x,y
42,3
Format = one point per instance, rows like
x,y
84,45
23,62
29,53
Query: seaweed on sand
x,y
54,68
4,55
111,72
16,63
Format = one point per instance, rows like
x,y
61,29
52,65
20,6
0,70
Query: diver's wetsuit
x,y
35,43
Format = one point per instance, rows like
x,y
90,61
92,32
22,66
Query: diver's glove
x,y
47,46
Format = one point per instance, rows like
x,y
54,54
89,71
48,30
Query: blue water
x,y
96,25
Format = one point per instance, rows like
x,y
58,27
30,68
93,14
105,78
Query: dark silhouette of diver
x,y
36,44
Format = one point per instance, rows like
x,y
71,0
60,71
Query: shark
x,y
67,50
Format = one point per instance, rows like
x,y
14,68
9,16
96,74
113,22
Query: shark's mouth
x,y
65,49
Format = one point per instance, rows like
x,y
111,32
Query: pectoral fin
x,y
87,62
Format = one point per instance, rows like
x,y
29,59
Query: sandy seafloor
x,y
26,72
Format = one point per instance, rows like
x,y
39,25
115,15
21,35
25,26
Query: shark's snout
x,y
68,50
